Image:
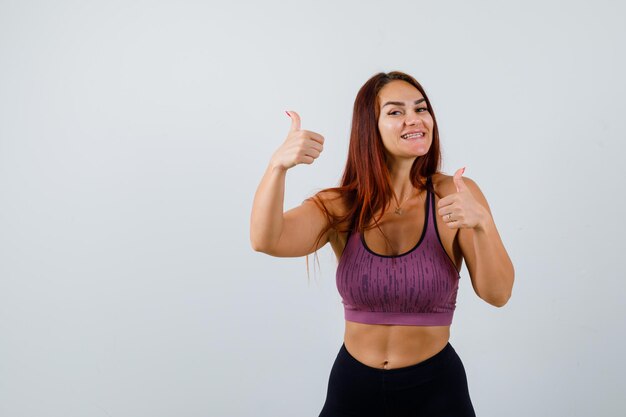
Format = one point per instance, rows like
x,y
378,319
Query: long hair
x,y
365,187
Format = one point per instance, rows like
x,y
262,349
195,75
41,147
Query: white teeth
x,y
413,135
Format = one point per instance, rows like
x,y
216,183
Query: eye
x,y
419,110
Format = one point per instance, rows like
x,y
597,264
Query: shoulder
x,y
444,185
332,200
333,204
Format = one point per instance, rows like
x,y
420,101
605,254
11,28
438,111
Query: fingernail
x,y
287,113
463,171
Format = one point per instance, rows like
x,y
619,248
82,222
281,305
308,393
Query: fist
x,y
461,209
300,146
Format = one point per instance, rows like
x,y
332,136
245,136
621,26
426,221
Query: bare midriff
x,y
393,346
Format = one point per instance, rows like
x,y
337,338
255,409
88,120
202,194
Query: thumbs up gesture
x,y
461,210
300,146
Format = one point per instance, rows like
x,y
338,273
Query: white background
x,y
133,135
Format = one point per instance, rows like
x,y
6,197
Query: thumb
x,y
295,121
458,180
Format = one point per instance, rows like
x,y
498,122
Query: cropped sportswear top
x,y
417,288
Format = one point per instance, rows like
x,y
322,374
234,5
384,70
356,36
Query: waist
x,y
393,346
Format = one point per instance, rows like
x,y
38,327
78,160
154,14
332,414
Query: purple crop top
x,y
417,288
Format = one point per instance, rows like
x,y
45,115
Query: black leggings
x,y
435,387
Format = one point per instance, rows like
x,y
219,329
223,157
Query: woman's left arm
x,y
488,263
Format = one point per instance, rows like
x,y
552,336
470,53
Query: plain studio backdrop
x,y
133,136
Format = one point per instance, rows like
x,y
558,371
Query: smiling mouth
x,y
413,135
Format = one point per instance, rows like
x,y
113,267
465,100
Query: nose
x,y
412,119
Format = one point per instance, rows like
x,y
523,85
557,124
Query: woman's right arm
x,y
293,233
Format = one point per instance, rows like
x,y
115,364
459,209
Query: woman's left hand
x,y
461,210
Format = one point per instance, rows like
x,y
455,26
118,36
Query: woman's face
x,y
403,110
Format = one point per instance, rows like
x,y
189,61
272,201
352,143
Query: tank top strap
x,y
430,210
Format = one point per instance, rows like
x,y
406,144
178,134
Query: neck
x,y
400,171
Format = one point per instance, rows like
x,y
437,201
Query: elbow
x,y
499,297
504,298
257,247
499,301
262,247
495,298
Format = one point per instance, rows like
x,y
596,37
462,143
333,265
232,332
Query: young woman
x,y
401,230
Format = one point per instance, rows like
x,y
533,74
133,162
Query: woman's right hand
x,y
300,147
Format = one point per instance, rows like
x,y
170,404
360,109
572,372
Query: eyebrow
x,y
399,103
